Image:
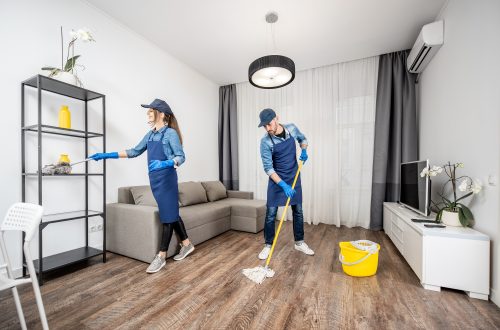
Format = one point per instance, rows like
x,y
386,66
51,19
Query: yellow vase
x,y
64,159
64,117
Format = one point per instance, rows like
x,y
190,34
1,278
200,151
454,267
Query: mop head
x,y
58,168
258,274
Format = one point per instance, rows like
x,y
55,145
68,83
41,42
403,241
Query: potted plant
x,y
67,72
451,211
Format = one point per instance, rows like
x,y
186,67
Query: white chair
x,y
22,217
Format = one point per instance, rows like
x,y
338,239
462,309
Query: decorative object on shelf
x,y
449,210
271,71
67,73
64,117
64,159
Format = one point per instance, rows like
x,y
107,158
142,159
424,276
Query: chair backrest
x,y
25,217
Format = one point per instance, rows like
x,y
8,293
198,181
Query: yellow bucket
x,y
359,258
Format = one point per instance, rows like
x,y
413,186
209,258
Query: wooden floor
x,y
208,291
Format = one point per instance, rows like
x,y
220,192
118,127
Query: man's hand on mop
x,y
289,192
303,156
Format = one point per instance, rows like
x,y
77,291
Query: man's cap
x,y
159,105
266,116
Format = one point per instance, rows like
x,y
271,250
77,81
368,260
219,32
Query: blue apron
x,y
285,164
164,184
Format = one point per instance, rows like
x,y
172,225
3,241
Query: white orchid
x,y
476,187
463,185
451,201
433,171
82,34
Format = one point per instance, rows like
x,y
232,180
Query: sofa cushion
x,y
199,214
143,196
191,193
215,190
244,207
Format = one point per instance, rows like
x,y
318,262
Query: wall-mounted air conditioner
x,y
429,40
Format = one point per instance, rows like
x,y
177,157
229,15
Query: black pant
x,y
168,229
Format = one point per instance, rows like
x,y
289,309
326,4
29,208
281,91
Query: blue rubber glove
x,y
289,192
104,155
303,156
156,165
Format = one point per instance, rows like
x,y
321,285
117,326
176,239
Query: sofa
x,y
133,228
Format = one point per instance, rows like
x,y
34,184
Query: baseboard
x,y
495,297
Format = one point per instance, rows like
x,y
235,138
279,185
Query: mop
x,y
259,274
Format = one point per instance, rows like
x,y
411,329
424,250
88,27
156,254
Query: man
x,y
278,153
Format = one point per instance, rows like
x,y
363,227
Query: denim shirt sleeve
x,y
267,156
140,148
171,139
297,134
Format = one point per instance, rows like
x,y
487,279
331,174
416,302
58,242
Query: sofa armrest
x,y
133,230
240,194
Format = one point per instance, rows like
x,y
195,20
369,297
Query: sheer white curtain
x,y
334,106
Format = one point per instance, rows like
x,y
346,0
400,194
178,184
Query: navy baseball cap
x,y
159,105
266,116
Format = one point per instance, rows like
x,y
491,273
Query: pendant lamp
x,y
271,71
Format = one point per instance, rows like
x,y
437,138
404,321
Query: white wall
x,y
460,108
126,68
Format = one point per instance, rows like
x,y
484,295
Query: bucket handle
x,y
341,259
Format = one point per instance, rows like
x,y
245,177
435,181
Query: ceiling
x,y
220,38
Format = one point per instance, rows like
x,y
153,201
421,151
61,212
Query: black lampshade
x,y
271,71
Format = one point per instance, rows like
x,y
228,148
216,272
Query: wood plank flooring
x,y
208,291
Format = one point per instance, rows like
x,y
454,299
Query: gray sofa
x,y
133,227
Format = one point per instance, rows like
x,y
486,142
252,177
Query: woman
x,y
165,154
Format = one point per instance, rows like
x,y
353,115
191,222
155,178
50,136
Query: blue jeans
x,y
298,224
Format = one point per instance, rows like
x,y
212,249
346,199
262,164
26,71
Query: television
x,y
414,191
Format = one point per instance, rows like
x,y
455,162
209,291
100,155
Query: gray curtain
x,y
396,135
228,138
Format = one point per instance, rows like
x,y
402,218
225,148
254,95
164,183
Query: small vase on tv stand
x,y
450,218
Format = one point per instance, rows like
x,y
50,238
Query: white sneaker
x,y
264,253
304,249
157,264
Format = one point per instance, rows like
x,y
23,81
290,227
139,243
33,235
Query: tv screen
x,y
414,189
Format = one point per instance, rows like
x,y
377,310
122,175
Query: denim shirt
x,y
266,145
171,145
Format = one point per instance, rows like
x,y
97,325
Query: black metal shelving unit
x,y
42,83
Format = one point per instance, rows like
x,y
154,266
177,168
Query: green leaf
x,y
54,72
70,63
465,196
467,212
461,217
439,215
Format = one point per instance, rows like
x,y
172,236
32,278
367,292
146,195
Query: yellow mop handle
x,y
268,260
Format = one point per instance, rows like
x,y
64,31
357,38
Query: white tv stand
x,y
451,257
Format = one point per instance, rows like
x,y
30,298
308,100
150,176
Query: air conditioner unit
x,y
429,40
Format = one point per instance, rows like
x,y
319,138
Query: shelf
x,y
62,131
61,88
67,258
67,216
62,175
